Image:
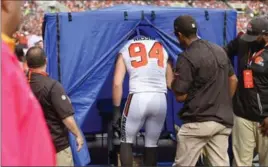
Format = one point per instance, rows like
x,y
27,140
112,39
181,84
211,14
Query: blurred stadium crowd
x,y
33,11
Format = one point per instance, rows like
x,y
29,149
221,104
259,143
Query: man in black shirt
x,y
56,106
205,81
259,67
19,53
251,98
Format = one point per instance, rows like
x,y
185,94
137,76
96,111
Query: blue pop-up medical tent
x,y
82,48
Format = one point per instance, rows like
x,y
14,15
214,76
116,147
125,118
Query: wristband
x,y
116,108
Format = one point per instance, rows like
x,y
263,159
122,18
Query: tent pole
x,y
58,47
224,29
44,28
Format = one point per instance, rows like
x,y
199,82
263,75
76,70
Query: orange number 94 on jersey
x,y
138,50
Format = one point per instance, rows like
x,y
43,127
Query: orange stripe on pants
x,y
126,109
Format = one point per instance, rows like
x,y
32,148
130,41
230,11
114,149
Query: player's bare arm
x,y
119,75
169,74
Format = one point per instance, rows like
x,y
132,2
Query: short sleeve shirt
x,y
202,72
56,107
183,75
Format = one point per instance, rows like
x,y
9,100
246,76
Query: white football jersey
x,y
146,62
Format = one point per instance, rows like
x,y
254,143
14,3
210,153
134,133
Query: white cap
x,y
33,40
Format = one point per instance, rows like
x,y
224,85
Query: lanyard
x,y
31,71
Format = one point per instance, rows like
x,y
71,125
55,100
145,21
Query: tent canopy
x,y
82,49
89,42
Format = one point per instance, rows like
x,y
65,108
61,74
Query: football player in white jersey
x,y
150,73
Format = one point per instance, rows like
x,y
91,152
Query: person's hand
x,y
264,127
79,142
116,120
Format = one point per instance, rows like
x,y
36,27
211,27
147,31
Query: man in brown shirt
x,y
56,106
205,81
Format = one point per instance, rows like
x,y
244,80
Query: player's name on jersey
x,y
143,38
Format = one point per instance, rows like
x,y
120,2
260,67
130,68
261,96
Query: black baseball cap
x,y
256,27
185,24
